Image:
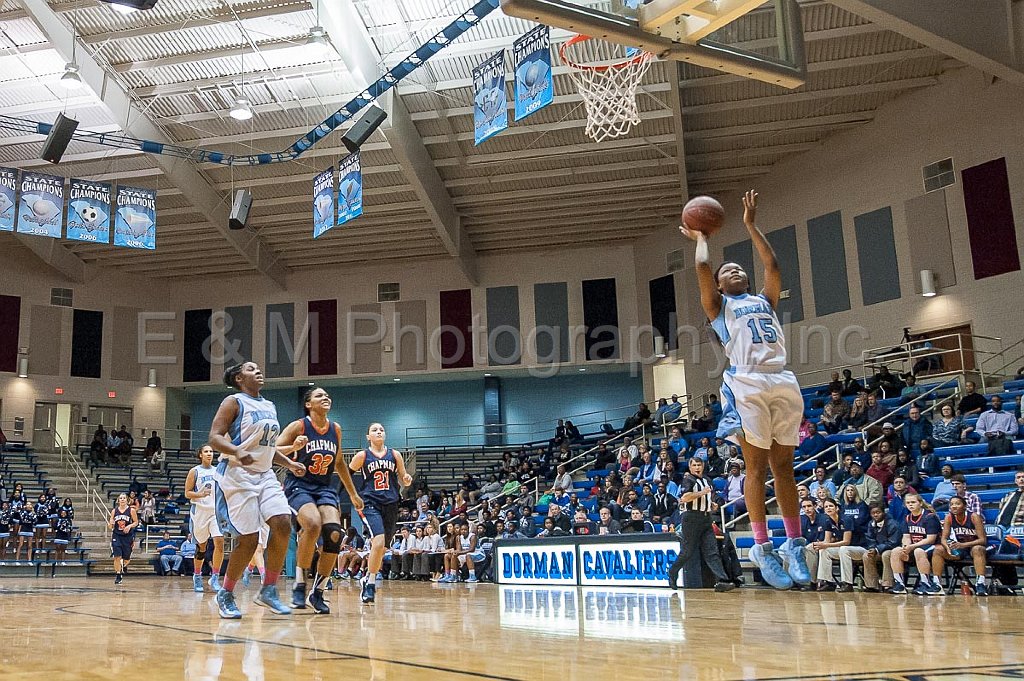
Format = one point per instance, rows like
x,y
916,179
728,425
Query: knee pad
x,y
331,533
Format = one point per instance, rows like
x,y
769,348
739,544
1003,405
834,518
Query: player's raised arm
x,y
772,274
710,296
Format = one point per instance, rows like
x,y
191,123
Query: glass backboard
x,y
752,38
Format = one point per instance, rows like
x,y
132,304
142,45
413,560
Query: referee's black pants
x,y
697,535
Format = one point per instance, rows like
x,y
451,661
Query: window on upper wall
x,y
388,293
938,175
674,260
62,297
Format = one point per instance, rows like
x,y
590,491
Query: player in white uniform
x,y
202,519
761,401
248,493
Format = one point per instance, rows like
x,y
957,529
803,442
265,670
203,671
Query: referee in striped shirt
x,y
696,504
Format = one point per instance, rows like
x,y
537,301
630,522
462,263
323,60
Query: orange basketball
x,y
704,214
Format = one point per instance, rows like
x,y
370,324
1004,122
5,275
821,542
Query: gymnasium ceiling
x,y
541,184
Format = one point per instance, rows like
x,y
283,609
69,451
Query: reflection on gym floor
x,y
594,612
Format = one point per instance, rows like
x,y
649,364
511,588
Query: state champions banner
x,y
350,188
8,198
42,205
89,211
534,87
135,218
490,105
323,202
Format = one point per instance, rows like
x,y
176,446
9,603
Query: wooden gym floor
x,y
153,628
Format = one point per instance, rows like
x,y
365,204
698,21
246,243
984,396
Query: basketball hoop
x,y
608,89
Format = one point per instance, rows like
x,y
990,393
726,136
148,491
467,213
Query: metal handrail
x,y
70,461
836,446
1002,353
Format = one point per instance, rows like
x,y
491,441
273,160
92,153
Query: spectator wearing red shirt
x,y
879,470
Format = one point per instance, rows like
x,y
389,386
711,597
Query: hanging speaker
x,y
364,127
240,209
59,138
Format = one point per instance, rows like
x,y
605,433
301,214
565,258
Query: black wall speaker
x,y
364,127
240,209
59,138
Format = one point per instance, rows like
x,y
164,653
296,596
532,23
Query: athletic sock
x,y
319,581
270,577
981,579
760,532
898,577
935,580
198,570
371,576
792,526
229,584
300,576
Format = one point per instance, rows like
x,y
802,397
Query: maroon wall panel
x,y
990,219
456,334
10,323
323,344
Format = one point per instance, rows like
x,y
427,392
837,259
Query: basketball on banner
x,y
534,86
135,218
350,189
42,205
490,105
323,202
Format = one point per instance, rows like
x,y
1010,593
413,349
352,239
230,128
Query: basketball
x,y
704,214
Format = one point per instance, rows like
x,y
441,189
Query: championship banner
x,y
490,115
323,202
350,189
42,205
8,192
534,86
135,218
89,211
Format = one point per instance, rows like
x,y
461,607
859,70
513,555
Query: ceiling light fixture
x,y
241,111
71,80
130,6
318,38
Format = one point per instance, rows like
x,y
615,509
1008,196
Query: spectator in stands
x,y
124,449
645,499
559,437
970,498
856,518
572,433
735,458
949,429
888,383
469,487
607,524
896,494
734,491
641,417
833,418
1011,507
562,482
582,525
508,464
147,508
187,551
875,410
170,559
820,497
663,504
491,489
997,428
677,443
972,403
460,504
706,422
626,453
637,523
858,416
915,429
836,535
813,532
963,535
834,384
604,457
879,470
157,461
648,470
660,412
842,473
850,385
98,449
153,445
716,407
674,410
821,481
921,529
803,493
911,391
906,468
812,446
868,488
928,463
114,444
714,467
133,500
701,452
856,514
665,454
564,454
806,428
561,520
100,432
888,444
883,535
945,487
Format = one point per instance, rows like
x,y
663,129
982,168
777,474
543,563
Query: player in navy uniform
x,y
921,529
963,534
122,523
315,442
382,469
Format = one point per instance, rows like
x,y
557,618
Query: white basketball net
x,y
609,92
